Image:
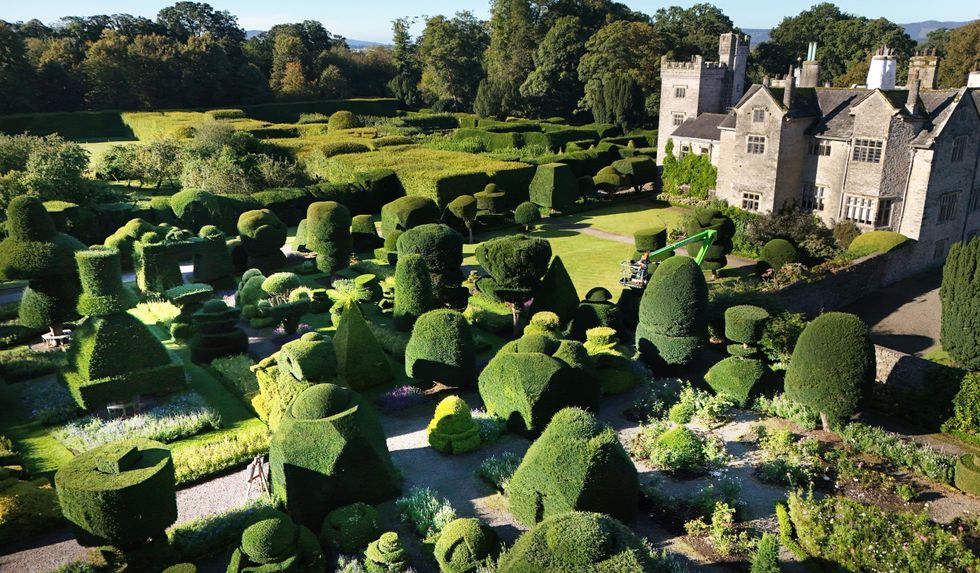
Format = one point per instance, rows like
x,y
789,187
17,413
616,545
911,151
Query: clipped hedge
x,y
554,186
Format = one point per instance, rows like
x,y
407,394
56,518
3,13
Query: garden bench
x,y
118,409
55,340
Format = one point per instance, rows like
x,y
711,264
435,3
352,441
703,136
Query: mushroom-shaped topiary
x,y
274,545
386,555
577,464
452,429
413,291
673,323
526,215
121,494
216,332
580,541
263,236
351,528
36,252
464,545
488,199
776,254
328,451
441,349
328,235
464,208
442,249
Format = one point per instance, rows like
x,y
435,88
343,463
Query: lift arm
x,y
706,238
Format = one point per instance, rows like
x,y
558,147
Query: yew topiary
x,y
554,186
351,528
406,213
556,293
673,318
328,235
216,332
526,215
361,360
364,234
712,219
413,291
452,429
736,378
441,349
464,545
516,263
442,249
277,544
776,254
212,259
386,555
342,119
263,236
960,297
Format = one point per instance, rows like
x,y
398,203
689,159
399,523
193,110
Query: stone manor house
x,y
903,159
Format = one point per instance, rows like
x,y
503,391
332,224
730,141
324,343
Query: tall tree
x,y
960,297
405,59
509,59
622,50
15,71
184,20
962,53
553,88
288,49
205,72
452,50
692,31
936,40
108,73
154,65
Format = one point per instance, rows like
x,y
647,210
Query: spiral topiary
x,y
710,218
441,349
277,544
262,235
386,555
216,332
452,429
328,235
351,528
464,545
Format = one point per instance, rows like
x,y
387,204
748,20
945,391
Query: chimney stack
x,y
924,66
789,88
881,73
810,71
912,104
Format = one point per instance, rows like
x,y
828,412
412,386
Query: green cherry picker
x,y
637,273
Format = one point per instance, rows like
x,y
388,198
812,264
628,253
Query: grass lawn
x,y
41,453
629,217
97,149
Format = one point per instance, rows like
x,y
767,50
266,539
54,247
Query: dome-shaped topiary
x,y
441,349
876,242
181,568
351,528
777,253
442,249
580,541
342,119
526,214
464,545
263,234
452,429
517,263
386,555
413,291
832,365
121,494
322,401
328,235
736,378
195,208
311,358
276,544
281,284
577,464
545,323
673,323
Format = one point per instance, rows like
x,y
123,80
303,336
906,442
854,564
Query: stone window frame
x,y
751,201
680,92
958,152
755,144
813,197
759,114
884,212
867,150
818,147
947,206
860,209
674,116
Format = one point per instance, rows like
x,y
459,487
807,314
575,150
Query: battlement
x,y
696,63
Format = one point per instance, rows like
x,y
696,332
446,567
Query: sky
x,y
371,19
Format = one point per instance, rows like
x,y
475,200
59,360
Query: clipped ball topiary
x,y
544,323
832,364
441,349
413,291
407,212
527,214
329,451
556,293
328,235
452,429
121,494
342,119
386,555
277,544
777,253
578,464
464,545
442,249
554,186
580,541
263,236
673,323
735,378
351,528
361,360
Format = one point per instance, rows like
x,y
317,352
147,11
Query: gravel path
x,y
906,315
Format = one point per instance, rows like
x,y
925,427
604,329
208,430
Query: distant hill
x,y
917,30
352,44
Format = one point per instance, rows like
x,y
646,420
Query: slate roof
x,y
704,126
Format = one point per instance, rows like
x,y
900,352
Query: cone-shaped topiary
x,y
114,356
364,234
328,451
35,252
386,555
464,545
442,249
554,186
361,360
441,349
832,364
121,494
212,259
413,291
216,332
452,429
777,253
735,378
263,236
703,220
275,545
556,293
351,528
578,464
960,296
532,378
673,323
328,235
406,213
580,541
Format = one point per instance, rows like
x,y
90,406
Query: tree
x,y
936,40
509,58
832,364
154,69
288,50
622,50
553,88
692,31
108,73
185,20
452,52
205,71
960,296
15,71
404,58
962,52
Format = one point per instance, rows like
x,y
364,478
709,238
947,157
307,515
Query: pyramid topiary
x,y
673,323
361,360
452,429
580,541
328,451
102,364
351,528
464,545
577,464
441,349
328,235
413,291
386,555
364,234
556,293
263,236
274,545
832,365
442,249
212,259
121,494
216,332
36,252
532,378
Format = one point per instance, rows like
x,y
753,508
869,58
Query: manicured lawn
x,y
627,218
41,453
97,149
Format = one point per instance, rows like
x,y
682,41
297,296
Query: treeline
x,y
536,58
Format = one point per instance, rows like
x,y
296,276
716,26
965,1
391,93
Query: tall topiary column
x,y
554,186
35,252
673,320
114,357
442,249
263,236
121,494
832,365
328,235
413,291
441,349
328,451
212,259
960,296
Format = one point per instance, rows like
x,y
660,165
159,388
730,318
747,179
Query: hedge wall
x,y
289,112
70,125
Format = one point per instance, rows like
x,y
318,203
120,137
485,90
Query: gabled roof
x,y
704,126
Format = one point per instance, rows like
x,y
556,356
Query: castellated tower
x,y
733,53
